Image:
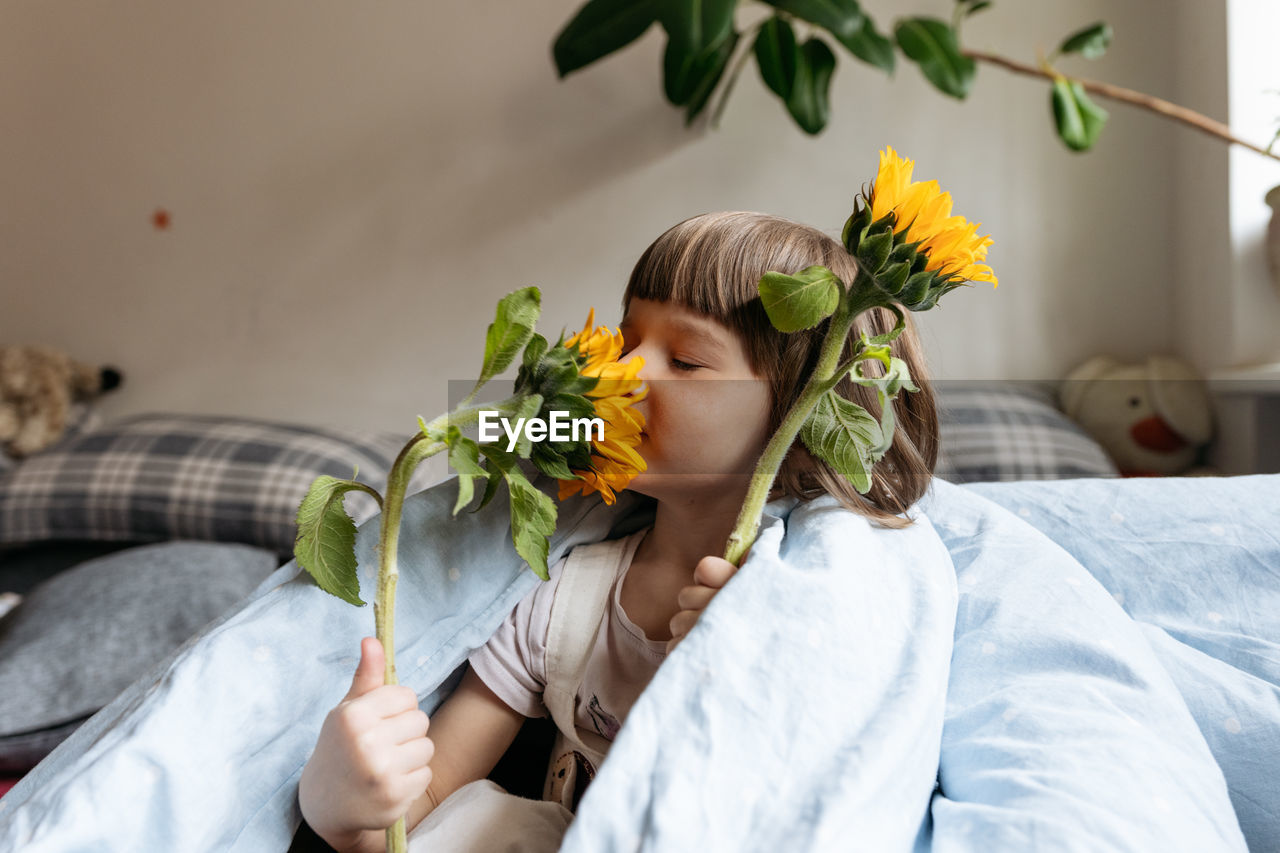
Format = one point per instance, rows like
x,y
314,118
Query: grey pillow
x,y
81,637
1011,430
163,477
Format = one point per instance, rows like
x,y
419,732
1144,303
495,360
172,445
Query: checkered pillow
x,y
1011,431
160,477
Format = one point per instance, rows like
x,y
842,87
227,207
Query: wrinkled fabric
x,y
1195,562
963,684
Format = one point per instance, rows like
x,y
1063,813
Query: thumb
x,y
369,673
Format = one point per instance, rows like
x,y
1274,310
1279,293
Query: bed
x,y
992,434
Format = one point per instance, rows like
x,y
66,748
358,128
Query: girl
x,y
720,380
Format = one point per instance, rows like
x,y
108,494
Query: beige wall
x,y
354,185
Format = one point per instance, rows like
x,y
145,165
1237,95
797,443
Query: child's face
x,y
706,413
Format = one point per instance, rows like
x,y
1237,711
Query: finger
x,y
683,622
672,643
695,597
369,672
389,700
405,726
713,571
414,755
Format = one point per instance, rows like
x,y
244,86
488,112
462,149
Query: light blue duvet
x,y
1081,665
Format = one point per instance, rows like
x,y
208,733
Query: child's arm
x,y
373,761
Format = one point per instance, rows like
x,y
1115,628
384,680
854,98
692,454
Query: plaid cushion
x,y
1011,431
160,477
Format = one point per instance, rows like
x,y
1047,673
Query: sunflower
x,y
614,461
923,211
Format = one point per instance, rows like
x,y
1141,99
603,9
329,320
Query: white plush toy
x,y
1152,418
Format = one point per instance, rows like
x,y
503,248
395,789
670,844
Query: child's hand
x,y
709,576
370,761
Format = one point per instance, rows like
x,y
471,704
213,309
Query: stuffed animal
x,y
37,388
1152,418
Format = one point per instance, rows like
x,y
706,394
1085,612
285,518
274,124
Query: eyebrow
x,y
693,330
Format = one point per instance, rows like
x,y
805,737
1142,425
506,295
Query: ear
x,y
1181,398
1071,392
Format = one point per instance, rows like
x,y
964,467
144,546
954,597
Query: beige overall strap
x,y
577,612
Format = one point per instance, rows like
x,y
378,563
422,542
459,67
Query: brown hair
x,y
713,264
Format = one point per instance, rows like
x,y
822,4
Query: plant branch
x,y
1129,96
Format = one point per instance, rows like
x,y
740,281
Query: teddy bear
x,y
38,386
1151,418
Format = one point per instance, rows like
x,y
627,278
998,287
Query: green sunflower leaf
x,y
893,277
509,332
490,487
464,458
855,227
896,378
841,433
325,545
874,250
533,520
800,301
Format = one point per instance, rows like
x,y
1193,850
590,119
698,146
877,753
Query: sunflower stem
x,y
384,606
852,303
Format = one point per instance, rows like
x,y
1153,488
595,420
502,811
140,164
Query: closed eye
x,y
683,365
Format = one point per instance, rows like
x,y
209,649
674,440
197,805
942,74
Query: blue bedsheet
x,y
970,683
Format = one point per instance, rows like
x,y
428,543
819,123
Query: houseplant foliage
x,y
796,45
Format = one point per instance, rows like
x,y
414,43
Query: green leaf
x,y
776,54
326,540
896,377
464,458
842,18
893,333
599,28
533,519
1091,42
693,27
1079,120
893,276
841,433
856,226
932,44
809,103
977,7
551,464
707,71
509,332
916,287
874,250
872,48
800,301
491,487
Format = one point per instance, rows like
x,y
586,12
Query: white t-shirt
x,y
622,662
